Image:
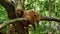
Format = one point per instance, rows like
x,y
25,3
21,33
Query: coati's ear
x,y
19,13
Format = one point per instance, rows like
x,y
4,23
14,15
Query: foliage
x,y
3,17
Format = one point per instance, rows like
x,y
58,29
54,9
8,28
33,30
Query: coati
x,y
32,16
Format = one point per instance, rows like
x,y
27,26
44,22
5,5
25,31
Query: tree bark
x,y
10,8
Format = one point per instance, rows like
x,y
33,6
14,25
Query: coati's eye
x,y
35,15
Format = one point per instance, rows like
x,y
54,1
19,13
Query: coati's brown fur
x,y
32,16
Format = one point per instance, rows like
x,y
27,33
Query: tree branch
x,y
25,19
5,23
50,19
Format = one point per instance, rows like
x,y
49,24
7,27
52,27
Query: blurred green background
x,y
50,8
